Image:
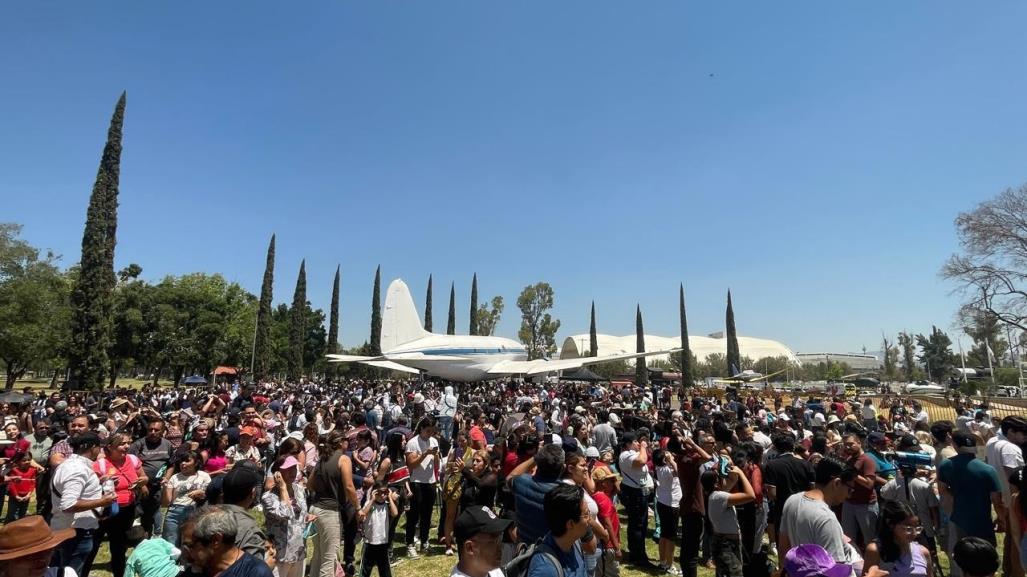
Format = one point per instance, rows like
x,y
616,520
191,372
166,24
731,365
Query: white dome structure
x,y
577,345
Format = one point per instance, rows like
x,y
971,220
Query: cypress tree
x,y
451,325
427,308
734,358
296,325
473,329
593,338
92,298
686,351
333,318
376,313
262,346
641,371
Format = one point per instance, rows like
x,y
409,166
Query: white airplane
x,y
924,388
407,347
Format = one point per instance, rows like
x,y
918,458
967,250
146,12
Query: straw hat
x,y
29,535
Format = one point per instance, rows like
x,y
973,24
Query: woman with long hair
x,y
479,481
575,472
310,440
452,488
123,473
215,462
896,549
422,457
392,468
333,498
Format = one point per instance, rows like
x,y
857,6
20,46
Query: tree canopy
x,y
538,327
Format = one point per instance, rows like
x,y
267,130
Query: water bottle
x,y
108,487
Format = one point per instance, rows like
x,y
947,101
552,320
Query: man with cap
x,y
907,488
79,500
877,444
977,485
239,493
27,545
479,532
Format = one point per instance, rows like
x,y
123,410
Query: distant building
x,y
577,345
856,361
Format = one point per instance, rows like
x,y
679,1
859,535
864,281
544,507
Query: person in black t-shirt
x,y
784,476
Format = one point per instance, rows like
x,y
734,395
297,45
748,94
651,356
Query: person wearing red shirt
x,y
607,486
478,440
21,483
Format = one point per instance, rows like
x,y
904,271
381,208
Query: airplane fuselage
x,y
457,358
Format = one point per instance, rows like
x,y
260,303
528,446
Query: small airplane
x,y
924,388
407,347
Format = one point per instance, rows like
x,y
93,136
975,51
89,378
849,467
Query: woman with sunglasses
x,y
896,549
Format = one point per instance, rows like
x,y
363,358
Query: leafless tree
x,y
991,267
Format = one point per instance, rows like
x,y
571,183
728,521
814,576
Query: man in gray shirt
x,y
807,517
604,437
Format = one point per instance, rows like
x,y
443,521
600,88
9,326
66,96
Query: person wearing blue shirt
x,y
529,491
567,517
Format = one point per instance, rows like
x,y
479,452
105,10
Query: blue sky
x,y
811,156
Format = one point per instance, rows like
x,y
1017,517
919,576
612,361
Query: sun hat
x,y
289,463
600,474
592,452
813,561
29,535
251,431
614,419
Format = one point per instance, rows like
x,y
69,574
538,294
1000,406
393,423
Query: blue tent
x,y
194,380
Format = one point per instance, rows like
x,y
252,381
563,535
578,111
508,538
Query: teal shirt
x,y
971,482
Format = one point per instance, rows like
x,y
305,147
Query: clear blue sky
x,y
811,156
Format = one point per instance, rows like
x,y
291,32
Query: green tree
x,y
985,330
777,366
593,337
891,355
641,371
488,318
611,369
129,325
92,295
34,310
734,357
333,325
538,327
376,314
685,356
427,308
714,365
262,344
908,347
451,324
297,330
473,328
936,354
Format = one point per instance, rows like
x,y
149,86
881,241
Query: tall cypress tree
x,y
376,313
262,344
451,324
641,371
734,357
473,329
333,318
686,350
297,330
593,338
427,308
92,298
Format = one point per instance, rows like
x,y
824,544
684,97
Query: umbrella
x,y
15,397
194,380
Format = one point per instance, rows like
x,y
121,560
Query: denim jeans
x,y
638,519
74,552
173,519
15,509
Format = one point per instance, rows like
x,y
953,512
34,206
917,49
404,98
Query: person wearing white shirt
x,y
422,457
78,500
636,486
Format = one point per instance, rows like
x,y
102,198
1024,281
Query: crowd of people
x,y
513,478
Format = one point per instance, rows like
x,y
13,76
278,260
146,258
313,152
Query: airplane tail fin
x,y
400,321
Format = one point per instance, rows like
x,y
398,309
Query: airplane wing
x,y
392,366
352,358
539,366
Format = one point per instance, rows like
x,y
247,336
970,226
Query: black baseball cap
x,y
479,519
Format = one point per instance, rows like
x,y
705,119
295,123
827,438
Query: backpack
x,y
519,565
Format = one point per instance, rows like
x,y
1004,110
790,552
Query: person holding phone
x,y
422,456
